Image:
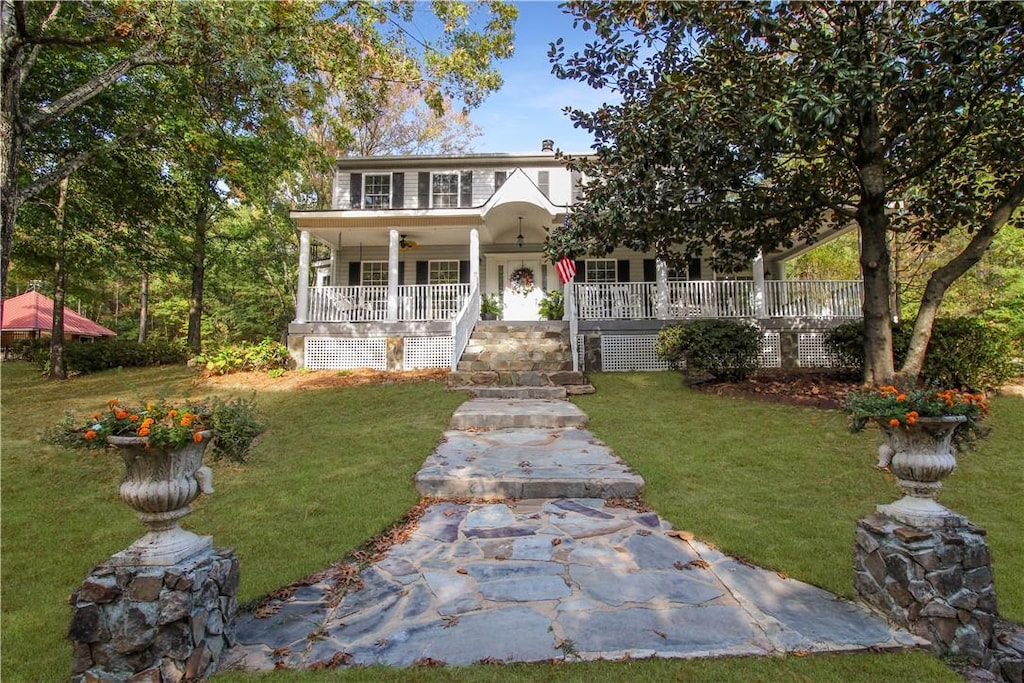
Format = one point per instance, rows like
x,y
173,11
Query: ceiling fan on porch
x,y
405,244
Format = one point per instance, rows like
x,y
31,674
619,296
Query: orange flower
x,y
95,416
914,414
173,414
147,422
186,420
894,422
143,431
134,418
120,415
911,420
197,437
90,435
901,397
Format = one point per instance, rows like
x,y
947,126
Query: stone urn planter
x,y
920,456
160,484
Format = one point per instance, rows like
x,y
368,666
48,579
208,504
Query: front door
x,y
521,287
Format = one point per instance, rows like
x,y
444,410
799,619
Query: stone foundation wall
x,y
154,624
937,583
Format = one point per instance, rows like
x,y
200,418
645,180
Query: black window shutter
x,y
466,189
353,273
544,182
581,271
693,269
499,178
622,270
356,190
423,189
463,271
397,190
650,270
401,273
422,273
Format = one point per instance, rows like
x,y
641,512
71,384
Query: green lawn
x,y
336,466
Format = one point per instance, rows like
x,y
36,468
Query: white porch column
x,y
760,295
474,258
393,240
661,289
302,291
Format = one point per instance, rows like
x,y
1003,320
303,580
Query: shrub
x,y
551,306
963,351
264,356
81,358
726,349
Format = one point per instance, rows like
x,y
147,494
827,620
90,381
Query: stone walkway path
x,y
547,576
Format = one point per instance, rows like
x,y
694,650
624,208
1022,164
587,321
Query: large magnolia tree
x,y
742,127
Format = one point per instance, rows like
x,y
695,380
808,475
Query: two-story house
x,y
392,276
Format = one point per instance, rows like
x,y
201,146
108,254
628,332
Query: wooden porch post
x,y
474,258
661,289
393,240
302,291
760,298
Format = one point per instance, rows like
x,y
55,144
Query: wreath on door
x,y
521,281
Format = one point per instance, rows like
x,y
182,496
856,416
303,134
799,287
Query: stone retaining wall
x,y
154,624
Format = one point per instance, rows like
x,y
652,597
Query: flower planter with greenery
x,y
162,446
922,428
490,307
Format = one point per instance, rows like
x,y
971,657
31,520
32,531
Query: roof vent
x,y
547,145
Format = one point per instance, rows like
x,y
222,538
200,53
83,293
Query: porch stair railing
x,y
463,324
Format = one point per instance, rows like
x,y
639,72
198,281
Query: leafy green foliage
x,y
263,356
552,305
727,349
235,425
104,355
963,352
490,304
895,409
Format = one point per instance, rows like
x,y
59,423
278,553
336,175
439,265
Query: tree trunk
x,y
195,308
10,137
58,370
144,307
875,259
943,277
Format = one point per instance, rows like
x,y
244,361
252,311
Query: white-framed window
x,y
444,190
373,273
377,191
443,273
601,270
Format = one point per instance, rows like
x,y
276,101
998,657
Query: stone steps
x,y
509,378
501,413
535,354
525,463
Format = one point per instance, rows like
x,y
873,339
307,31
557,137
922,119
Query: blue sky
x,y
528,108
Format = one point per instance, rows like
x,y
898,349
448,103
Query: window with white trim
x,y
443,273
444,191
377,191
601,270
374,273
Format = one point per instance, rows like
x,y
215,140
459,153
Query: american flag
x,y
566,267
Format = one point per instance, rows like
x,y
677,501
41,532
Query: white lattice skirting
x,y
813,352
771,350
636,352
427,352
329,353
630,352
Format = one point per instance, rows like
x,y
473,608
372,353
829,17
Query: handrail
x,y
463,324
569,300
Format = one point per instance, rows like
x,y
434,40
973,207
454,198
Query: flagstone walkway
x,y
546,576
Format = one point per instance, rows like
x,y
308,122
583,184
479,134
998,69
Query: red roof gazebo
x,y
30,315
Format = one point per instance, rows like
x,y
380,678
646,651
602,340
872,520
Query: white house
x,y
391,277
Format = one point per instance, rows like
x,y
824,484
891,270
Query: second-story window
x,y
445,191
377,191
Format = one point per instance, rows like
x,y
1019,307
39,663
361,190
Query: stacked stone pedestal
x,y
937,583
154,624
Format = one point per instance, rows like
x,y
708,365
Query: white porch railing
x,y
719,299
463,324
370,304
814,298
